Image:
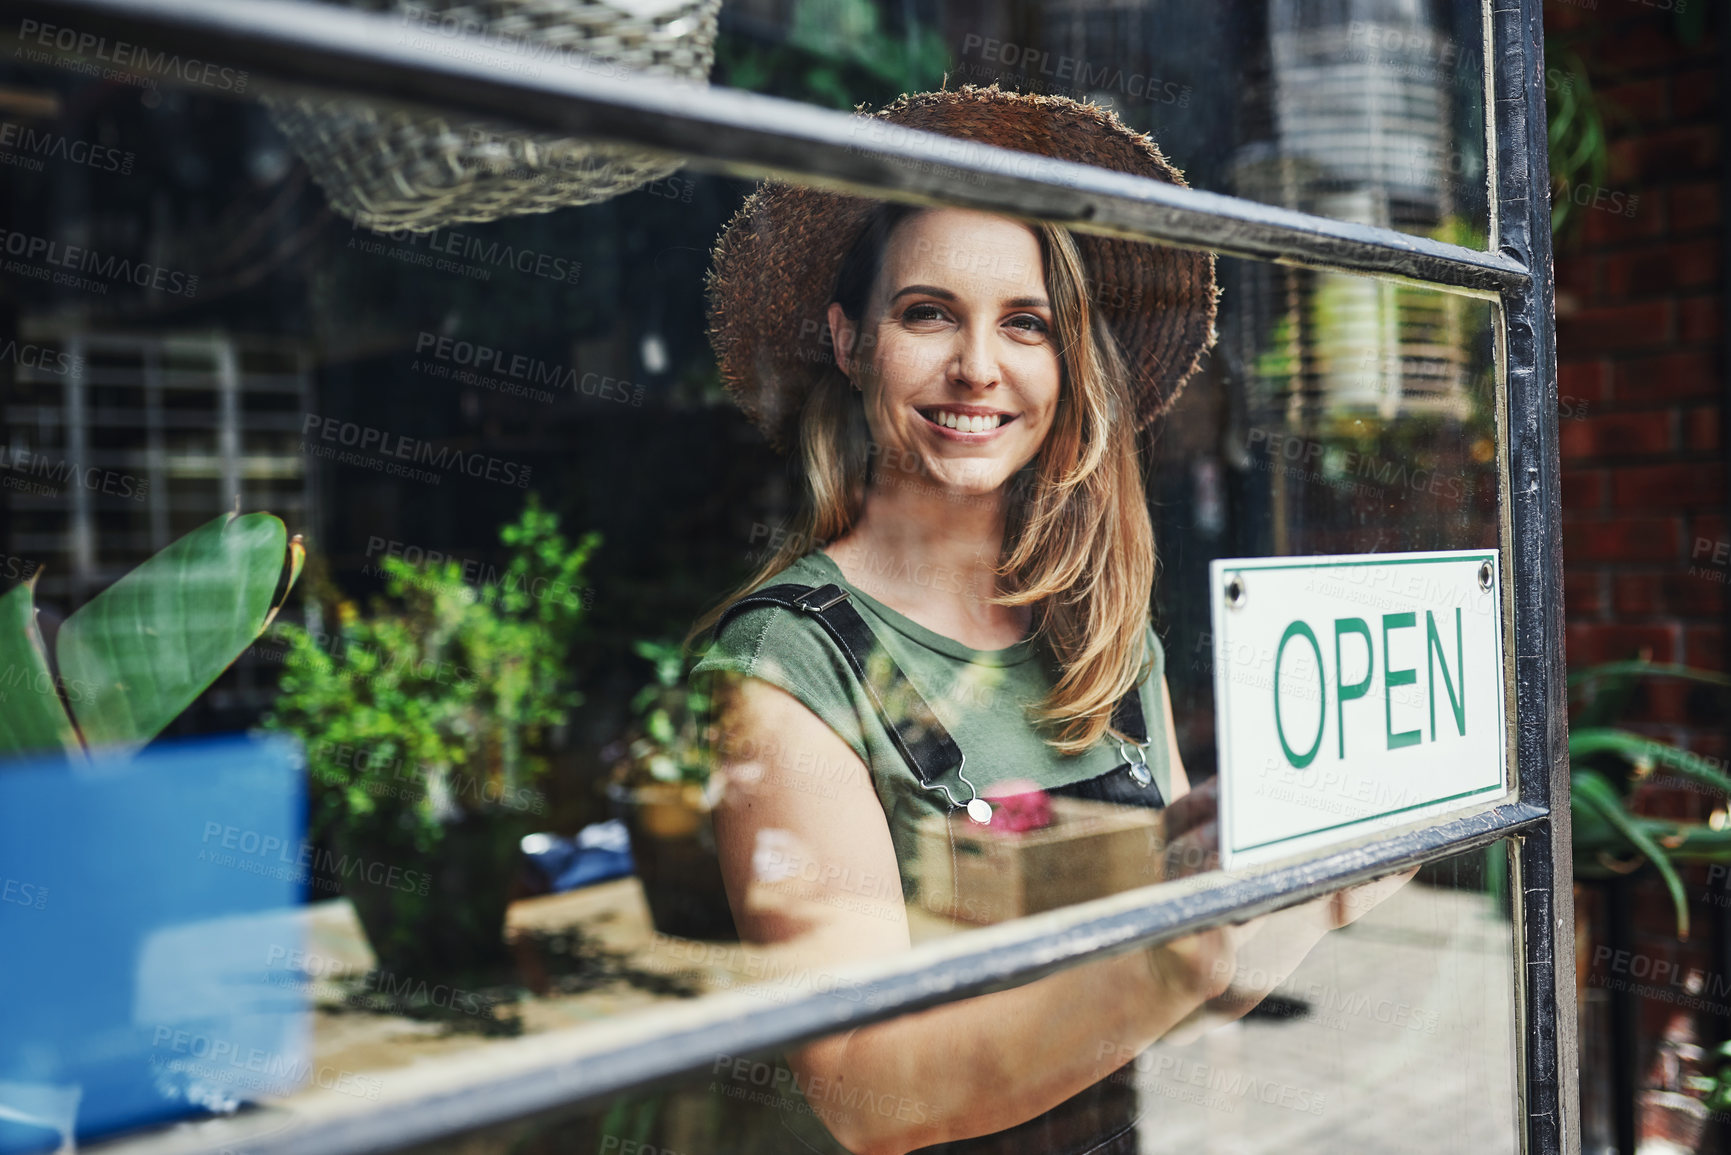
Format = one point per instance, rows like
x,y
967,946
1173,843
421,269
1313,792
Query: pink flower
x,y
1018,804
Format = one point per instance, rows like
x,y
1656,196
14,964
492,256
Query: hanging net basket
x,y
390,171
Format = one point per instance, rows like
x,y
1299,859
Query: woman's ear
x,y
843,335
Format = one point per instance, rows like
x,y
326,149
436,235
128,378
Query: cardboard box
x,y
1090,850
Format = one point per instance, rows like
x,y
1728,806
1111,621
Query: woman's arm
x,y
809,864
1269,948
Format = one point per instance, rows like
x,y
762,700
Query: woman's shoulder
x,y
790,650
1156,650
1153,682
754,635
812,568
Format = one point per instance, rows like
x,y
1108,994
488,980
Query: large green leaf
x,y
144,648
1636,748
1638,668
1603,693
31,716
1590,789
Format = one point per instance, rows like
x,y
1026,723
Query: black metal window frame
x,y
296,44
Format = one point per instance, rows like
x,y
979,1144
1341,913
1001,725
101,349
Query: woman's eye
x,y
1028,322
923,313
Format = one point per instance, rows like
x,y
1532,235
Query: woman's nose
x,y
976,362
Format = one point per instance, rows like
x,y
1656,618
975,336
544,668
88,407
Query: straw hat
x,y
775,264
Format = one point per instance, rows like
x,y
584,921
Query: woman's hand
x,y
1282,941
1198,967
1354,902
1190,832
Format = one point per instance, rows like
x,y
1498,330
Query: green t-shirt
x,y
979,696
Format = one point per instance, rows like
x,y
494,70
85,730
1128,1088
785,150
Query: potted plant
x,y
1609,767
425,721
662,790
1608,764
1715,1086
136,655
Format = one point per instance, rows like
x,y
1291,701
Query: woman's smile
x,y
970,424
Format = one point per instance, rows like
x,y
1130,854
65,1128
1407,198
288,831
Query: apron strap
x,y
921,739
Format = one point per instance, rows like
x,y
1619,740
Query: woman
x,y
965,602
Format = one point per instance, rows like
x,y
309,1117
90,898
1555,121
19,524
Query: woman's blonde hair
x,y
1078,543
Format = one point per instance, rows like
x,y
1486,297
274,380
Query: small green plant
x,y
443,690
1715,1088
836,54
426,721
669,746
1607,762
1575,130
136,655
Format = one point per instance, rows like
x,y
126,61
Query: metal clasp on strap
x,y
831,594
1138,762
978,808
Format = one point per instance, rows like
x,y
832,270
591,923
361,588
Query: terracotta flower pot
x,y
673,851
671,810
438,913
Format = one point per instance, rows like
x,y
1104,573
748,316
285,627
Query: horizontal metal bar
x,y
497,1083
393,60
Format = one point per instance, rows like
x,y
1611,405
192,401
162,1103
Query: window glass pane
x,y
518,480
1370,111
1356,416
1401,1023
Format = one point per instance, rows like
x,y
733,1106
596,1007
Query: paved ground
x,y
1408,1046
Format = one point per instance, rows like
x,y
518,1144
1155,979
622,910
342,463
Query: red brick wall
x,y
1641,381
1639,329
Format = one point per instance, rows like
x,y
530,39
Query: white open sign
x,y
1353,694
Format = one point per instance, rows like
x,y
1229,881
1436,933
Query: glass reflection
x,y
510,452
1371,111
1401,1024
968,412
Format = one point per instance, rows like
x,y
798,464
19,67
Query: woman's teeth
x,y
963,424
